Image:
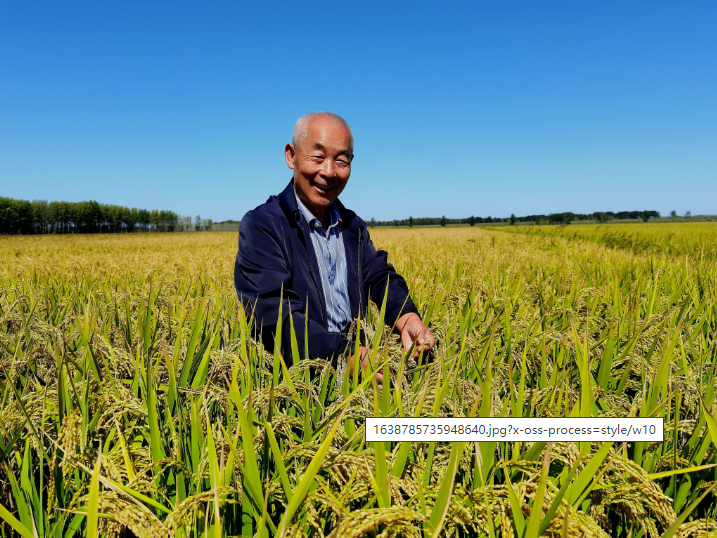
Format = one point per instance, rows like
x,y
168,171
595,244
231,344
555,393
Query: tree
x,y
143,219
197,222
169,220
471,220
645,216
40,215
132,219
89,216
372,222
512,219
601,217
688,214
673,213
410,222
443,220
15,216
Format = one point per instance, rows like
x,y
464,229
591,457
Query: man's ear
x,y
290,154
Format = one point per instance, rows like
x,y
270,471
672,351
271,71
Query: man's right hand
x,y
363,360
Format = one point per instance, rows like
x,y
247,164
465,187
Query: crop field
x,y
697,239
134,400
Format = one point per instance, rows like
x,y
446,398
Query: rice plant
x,y
135,400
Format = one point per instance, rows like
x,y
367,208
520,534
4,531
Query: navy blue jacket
x,y
275,251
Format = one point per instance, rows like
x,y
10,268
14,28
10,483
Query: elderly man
x,y
305,251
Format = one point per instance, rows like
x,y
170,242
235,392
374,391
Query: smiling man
x,y
304,252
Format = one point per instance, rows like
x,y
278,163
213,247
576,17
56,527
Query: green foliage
x,y
15,216
601,217
41,217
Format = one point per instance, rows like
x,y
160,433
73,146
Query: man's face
x,y
321,164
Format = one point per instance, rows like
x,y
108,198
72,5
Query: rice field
x,y
135,402
697,239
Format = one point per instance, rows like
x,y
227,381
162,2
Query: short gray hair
x,y
301,127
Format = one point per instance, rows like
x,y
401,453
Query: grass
x,y
134,398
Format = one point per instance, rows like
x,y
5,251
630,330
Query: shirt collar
x,y
310,218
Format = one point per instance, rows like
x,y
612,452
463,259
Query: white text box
x,y
514,429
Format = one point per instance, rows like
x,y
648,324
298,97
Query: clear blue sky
x,y
482,107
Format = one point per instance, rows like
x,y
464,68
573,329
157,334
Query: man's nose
x,y
329,168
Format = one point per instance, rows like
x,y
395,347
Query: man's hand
x,y
363,359
412,330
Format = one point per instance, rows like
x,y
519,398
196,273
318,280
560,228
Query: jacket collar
x,y
312,221
287,202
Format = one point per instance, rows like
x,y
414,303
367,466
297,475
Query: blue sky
x,y
458,108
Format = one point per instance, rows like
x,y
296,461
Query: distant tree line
x,y
600,216
434,221
553,218
226,226
42,217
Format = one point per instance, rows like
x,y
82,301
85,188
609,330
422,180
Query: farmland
x,y
133,396
696,239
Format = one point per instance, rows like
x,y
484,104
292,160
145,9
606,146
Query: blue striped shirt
x,y
331,257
